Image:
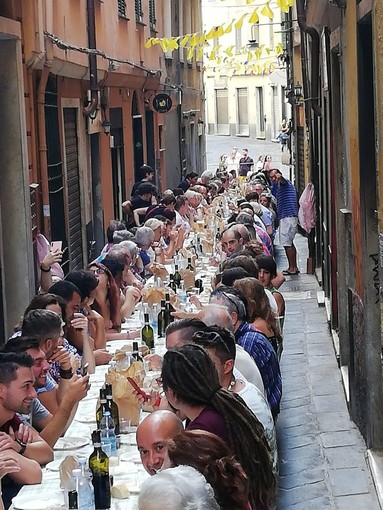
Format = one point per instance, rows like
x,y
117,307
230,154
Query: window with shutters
x,y
152,14
121,7
138,10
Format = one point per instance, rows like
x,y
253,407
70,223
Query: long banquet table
x,y
48,495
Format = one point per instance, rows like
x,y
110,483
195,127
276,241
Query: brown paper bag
x,y
128,406
188,277
159,271
66,467
153,295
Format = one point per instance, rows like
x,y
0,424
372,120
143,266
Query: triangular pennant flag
x,y
279,49
194,40
202,39
148,43
249,56
219,32
163,45
184,40
238,24
211,33
229,51
190,53
283,5
266,11
229,27
254,18
199,54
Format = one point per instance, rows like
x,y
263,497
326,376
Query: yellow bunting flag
x,y
184,40
279,49
229,51
202,39
283,5
229,27
199,54
190,53
194,40
238,24
266,11
254,18
163,45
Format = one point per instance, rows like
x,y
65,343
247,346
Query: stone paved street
x,y
322,454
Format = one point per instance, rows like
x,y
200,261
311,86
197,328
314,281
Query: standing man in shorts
x,y
287,210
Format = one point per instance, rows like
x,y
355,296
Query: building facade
x,y
337,52
245,80
79,70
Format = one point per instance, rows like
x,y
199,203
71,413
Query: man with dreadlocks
x,y
191,384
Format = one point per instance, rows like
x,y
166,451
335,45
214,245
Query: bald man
x,y
153,434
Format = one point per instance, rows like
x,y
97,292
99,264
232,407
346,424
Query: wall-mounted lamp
x,y
106,126
298,91
294,95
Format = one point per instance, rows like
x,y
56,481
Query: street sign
x,y
162,103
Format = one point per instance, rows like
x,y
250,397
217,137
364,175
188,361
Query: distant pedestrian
x,y
246,164
287,210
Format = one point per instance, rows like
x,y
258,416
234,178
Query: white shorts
x,y
288,227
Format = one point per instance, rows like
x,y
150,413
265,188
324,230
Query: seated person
x,y
114,226
76,324
46,326
144,238
50,427
153,434
177,488
22,443
140,203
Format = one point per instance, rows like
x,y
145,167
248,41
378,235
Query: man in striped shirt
x,y
287,210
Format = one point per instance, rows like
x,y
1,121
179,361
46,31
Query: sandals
x,y
286,272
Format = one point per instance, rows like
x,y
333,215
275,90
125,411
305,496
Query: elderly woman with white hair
x,y
144,238
179,488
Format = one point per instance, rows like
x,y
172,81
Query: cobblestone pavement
x,y
321,453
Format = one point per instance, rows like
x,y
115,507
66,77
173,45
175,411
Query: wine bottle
x,y
99,465
161,320
172,283
72,500
147,333
168,309
113,407
189,266
136,353
177,276
102,407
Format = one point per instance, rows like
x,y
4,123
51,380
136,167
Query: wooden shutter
x,y
222,108
138,10
152,14
73,184
121,7
243,117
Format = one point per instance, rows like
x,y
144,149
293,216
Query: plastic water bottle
x,y
108,434
182,292
154,316
85,493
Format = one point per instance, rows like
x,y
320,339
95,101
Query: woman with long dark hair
x,y
191,384
207,453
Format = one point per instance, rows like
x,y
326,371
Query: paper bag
x,y
128,406
188,277
153,295
67,465
159,271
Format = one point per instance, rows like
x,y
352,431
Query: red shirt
x,y
15,422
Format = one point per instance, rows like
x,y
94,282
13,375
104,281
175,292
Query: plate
x,y
71,443
133,456
43,502
54,465
128,439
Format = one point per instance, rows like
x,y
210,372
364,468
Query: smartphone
x,y
138,389
56,245
84,370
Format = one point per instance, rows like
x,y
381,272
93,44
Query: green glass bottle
x,y
136,355
147,333
161,320
168,309
189,266
103,406
172,283
99,465
113,408
177,276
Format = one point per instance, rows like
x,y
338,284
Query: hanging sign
x,y
162,103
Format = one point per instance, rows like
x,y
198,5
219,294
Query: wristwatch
x,y
22,446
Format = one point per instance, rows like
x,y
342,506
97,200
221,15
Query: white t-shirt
x,y
248,369
258,404
273,303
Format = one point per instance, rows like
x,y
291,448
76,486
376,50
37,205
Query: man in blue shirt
x,y
287,211
254,343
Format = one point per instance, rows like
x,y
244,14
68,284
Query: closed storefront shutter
x,y
243,117
222,108
73,186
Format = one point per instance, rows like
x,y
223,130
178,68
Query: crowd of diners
x,y
211,442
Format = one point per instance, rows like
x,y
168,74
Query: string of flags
x,y
197,44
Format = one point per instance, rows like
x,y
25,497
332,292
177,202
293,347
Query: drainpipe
x,y
43,159
93,83
315,47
